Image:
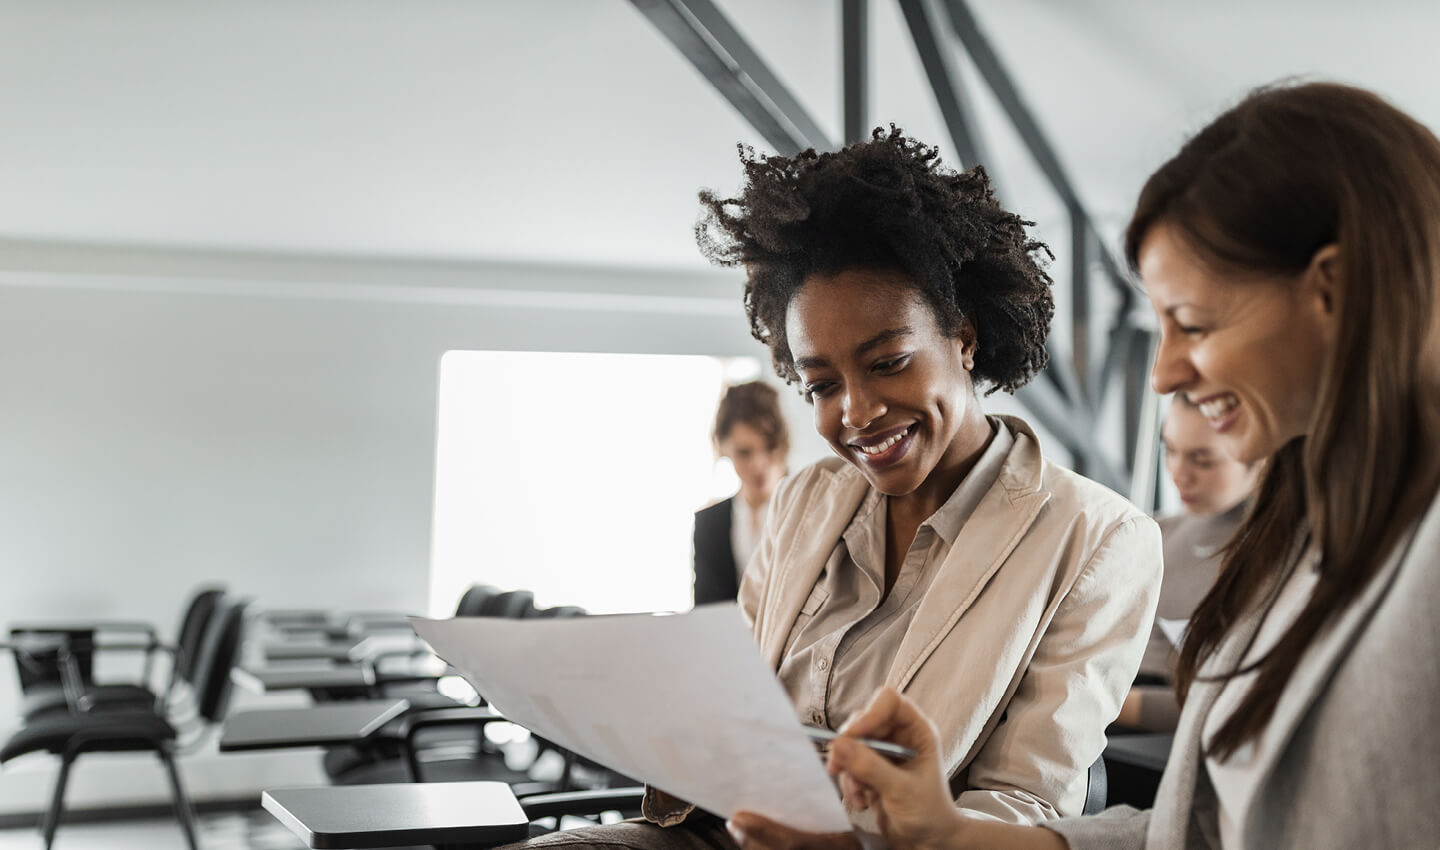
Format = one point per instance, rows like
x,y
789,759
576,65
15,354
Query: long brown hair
x,y
1265,186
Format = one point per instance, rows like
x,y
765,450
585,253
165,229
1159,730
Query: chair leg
x,y
183,811
57,801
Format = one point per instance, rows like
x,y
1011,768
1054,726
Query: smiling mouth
x,y
879,448
886,450
1217,410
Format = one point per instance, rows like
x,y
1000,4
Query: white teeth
x,y
880,447
1216,408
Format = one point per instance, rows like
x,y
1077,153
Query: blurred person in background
x,y
1215,490
750,432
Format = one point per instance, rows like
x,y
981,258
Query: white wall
x,y
171,419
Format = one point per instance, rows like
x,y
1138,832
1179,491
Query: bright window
x,y
575,476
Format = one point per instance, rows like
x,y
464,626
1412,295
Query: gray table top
x,y
268,679
299,650
365,816
1149,750
314,726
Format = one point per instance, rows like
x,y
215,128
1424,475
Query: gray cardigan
x,y
1356,755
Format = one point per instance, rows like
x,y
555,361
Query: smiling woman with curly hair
x,y
886,205
939,553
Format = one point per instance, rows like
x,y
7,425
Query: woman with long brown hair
x,y
751,432
1291,251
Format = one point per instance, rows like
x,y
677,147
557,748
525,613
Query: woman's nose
x,y
861,408
1172,370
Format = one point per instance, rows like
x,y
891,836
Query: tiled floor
x,y
230,831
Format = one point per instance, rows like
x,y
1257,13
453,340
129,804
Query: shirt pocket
x,y
813,603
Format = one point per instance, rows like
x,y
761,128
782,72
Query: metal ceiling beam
x,y
988,63
1075,429
855,51
706,38
962,20
923,19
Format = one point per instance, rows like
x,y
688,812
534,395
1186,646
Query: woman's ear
x,y
1322,280
969,341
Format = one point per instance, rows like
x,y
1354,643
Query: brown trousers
x,y
699,832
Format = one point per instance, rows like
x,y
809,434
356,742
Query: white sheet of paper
x,y
681,701
1173,630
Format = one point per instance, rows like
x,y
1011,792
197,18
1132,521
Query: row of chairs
x,y
66,712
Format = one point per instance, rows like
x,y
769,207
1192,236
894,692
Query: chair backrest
x,y
219,652
511,603
557,611
1097,788
41,666
192,630
474,600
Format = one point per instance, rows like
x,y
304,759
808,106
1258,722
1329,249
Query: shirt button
x,y
817,718
824,664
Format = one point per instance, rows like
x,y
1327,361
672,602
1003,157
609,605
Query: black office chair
x,y
472,602
79,730
42,688
511,603
1096,788
559,611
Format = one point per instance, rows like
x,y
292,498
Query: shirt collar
x,y
951,517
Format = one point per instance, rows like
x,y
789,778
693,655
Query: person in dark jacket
x,y
750,431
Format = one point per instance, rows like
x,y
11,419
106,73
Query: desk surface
x,y
1148,750
316,726
364,816
268,679
302,650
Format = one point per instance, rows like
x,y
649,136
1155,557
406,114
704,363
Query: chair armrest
x,y
624,799
458,716
86,625
62,628
415,654
78,699
429,718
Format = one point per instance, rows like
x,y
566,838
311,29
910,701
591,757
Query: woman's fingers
x,y
892,717
859,764
857,796
755,832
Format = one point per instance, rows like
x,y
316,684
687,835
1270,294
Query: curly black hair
x,y
886,205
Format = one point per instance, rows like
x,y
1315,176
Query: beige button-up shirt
x,y
843,644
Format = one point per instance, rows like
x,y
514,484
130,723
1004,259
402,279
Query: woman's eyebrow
x,y
882,338
874,341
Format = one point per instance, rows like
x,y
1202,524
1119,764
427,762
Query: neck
x,y
914,508
754,498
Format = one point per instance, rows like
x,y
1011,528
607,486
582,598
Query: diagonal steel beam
x,y
855,70
705,37
988,63
1075,429
923,19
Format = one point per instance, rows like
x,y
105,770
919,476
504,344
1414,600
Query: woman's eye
x,y
819,389
886,367
1191,330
